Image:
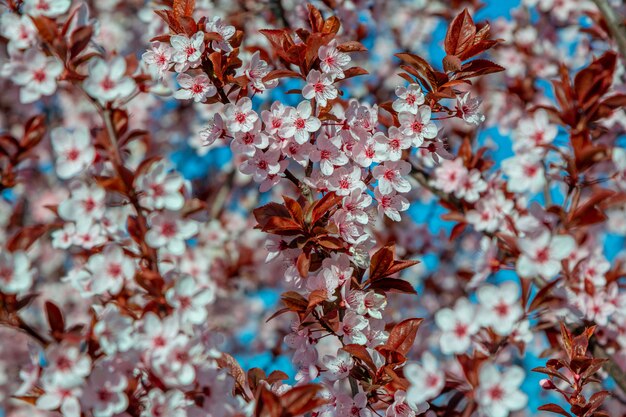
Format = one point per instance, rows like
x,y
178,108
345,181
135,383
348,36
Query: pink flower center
x,y
39,75
299,123
107,84
169,229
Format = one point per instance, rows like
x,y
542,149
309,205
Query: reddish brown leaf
x,y
381,261
351,46
360,352
393,284
46,27
460,35
403,335
553,408
55,320
184,7
79,39
304,264
317,297
294,301
323,206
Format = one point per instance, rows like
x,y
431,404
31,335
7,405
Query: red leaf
x,y
294,301
23,239
281,73
55,320
354,72
294,209
460,34
46,27
399,265
302,399
360,352
304,264
351,46
393,284
184,7
323,206
553,408
79,39
403,335
317,297
382,260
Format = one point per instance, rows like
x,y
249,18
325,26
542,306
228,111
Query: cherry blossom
x,y
499,307
498,393
542,256
107,81
169,231
300,123
104,393
332,61
319,86
426,379
339,366
198,88
160,187
189,302
16,275
409,99
418,126
73,149
159,59
187,51
390,176
457,326
240,117
49,8
37,76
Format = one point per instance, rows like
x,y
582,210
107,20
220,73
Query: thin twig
x,y
615,24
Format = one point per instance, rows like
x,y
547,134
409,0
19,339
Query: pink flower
x,y
187,51
110,270
409,99
393,145
499,307
542,256
470,188
450,175
417,126
189,300
16,275
300,123
199,88
49,8
240,117
332,61
107,81
345,180
73,149
159,59
499,393
159,187
247,143
159,404
339,366
169,231
457,326
426,381
104,393
256,69
390,177
262,164
37,75
319,86
215,24
352,327
534,132
328,156
525,173
391,204
467,109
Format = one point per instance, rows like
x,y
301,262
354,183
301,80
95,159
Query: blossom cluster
x,y
286,209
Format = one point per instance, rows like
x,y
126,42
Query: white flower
x,y
113,330
457,326
159,187
319,86
198,88
240,117
409,99
498,393
73,149
187,51
391,204
49,8
85,205
352,327
159,404
300,123
390,177
169,231
542,256
500,307
107,81
16,276
20,30
37,75
427,381
110,270
338,366
189,300
332,61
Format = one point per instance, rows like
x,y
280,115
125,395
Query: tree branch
x,y
615,24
